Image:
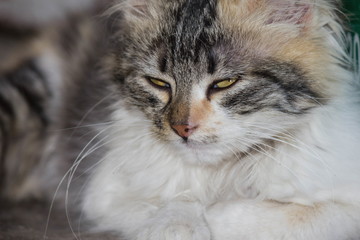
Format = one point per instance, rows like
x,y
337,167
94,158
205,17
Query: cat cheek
x,y
162,98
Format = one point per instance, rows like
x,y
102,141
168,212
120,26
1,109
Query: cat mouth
x,y
200,141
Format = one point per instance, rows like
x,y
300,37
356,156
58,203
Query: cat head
x,y
218,78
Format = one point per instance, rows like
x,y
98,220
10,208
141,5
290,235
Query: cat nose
x,y
185,130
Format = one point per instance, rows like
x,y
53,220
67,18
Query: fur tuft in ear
x,y
290,12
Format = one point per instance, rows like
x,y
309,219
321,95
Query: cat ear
x,y
291,12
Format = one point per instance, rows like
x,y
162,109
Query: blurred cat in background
x,y
207,119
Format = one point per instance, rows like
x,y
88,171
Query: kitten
x,y
233,120
229,119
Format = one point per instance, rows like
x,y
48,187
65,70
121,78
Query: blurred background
x,y
352,8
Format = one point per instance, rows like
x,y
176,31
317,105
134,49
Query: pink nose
x,y
184,131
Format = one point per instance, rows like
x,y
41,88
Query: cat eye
x,y
158,83
224,83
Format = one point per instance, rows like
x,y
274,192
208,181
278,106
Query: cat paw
x,y
180,231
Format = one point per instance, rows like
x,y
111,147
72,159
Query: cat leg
x,y
268,220
141,220
177,220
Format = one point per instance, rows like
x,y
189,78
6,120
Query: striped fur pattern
x,y
24,119
42,66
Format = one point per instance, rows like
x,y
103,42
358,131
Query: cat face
x,y
219,78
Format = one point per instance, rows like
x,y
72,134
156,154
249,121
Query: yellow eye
x,y
225,83
159,83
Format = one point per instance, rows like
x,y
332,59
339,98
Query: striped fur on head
x,y
279,52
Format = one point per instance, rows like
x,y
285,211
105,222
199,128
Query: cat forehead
x,y
186,38
191,16
192,39
186,28
189,35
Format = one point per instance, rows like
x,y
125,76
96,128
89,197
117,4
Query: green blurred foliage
x,y
353,11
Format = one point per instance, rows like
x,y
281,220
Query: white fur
x,y
140,178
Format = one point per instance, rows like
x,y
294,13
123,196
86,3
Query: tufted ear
x,y
298,12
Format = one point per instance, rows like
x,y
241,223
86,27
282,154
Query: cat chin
x,y
197,153
203,158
